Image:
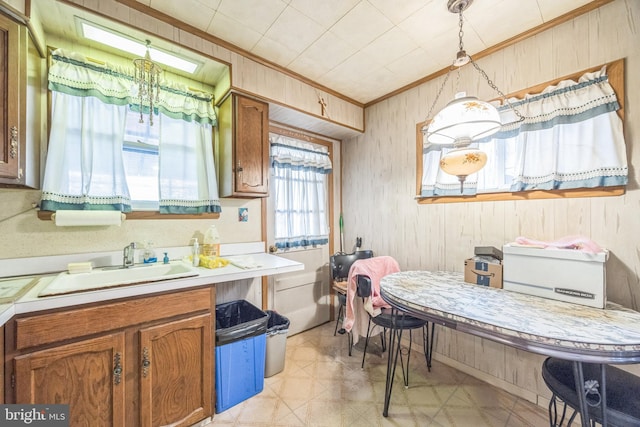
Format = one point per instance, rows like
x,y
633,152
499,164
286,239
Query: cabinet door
x,y
251,146
10,103
176,372
86,375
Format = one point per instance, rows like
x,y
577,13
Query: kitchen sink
x,y
109,277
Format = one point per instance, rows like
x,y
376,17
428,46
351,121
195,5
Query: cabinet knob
x,y
145,362
13,151
117,369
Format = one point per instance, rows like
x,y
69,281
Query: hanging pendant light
x,y
464,120
147,80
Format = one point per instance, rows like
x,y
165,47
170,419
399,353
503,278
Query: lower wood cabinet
x,y
176,378
87,375
157,372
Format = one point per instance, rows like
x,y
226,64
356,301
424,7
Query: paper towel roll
x,y
68,218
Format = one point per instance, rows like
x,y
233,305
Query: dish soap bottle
x,y
211,244
149,254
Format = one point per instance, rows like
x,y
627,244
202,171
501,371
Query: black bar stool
x,y
620,394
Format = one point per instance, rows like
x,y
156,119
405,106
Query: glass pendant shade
x,y
465,117
463,161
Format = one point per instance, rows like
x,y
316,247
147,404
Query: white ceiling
x,y
363,49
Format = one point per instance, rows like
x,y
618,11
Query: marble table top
x,y
544,326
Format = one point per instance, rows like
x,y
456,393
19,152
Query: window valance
x,y
73,74
295,154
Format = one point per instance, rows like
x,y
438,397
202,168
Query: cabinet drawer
x,y
52,327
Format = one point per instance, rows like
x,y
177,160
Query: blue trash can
x,y
240,352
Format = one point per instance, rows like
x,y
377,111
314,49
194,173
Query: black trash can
x,y
277,329
240,352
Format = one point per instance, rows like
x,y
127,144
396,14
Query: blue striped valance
x,y
73,74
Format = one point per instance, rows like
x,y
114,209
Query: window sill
x,y
526,195
46,215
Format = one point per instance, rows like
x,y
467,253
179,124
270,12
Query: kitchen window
x,y
570,145
101,158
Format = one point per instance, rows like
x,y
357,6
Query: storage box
x,y
562,274
483,273
239,371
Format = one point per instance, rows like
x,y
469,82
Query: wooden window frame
x,y
615,72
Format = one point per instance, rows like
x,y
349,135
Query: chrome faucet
x,y
128,255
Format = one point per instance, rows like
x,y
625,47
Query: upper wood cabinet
x,y
20,107
243,147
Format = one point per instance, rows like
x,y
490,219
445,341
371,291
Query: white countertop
x,y
264,265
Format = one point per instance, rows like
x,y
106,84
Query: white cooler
x,y
561,274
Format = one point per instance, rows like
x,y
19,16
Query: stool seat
x,y
622,389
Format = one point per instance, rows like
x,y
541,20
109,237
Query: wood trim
x,y
615,72
46,215
527,195
497,47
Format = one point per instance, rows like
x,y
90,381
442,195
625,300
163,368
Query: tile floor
x,y
322,386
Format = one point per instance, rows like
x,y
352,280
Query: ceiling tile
x,y
325,12
492,27
226,29
411,66
398,11
325,54
550,9
183,11
257,15
361,25
359,64
275,51
390,46
294,30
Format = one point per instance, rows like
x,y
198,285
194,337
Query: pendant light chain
x,y
494,87
460,32
462,59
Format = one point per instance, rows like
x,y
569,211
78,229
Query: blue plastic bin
x,y
240,352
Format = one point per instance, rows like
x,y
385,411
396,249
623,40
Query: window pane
x,y
140,155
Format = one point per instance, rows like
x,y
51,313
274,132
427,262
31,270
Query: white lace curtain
x,y
571,138
300,171
84,167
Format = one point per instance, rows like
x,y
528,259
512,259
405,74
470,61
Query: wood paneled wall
x,y
379,184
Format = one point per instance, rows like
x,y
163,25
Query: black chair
x,y
340,264
620,394
395,322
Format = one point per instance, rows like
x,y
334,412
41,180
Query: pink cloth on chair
x,y
376,268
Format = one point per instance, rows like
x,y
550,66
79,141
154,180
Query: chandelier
x,y
147,75
466,119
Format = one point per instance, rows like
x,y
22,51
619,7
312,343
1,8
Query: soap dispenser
x,y
195,252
